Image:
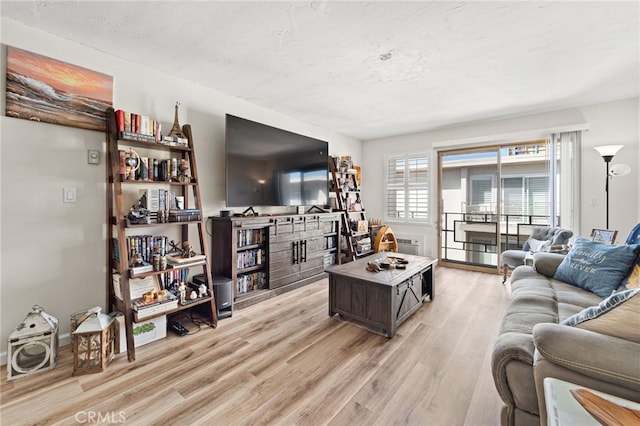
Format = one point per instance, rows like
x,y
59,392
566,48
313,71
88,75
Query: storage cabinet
x,y
132,238
293,250
296,249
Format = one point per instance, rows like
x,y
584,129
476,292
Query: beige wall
x,y
52,253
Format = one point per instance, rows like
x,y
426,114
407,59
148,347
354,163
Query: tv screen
x,y
266,166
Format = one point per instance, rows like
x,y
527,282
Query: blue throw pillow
x,y
597,267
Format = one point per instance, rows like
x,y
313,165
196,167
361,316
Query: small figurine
x,y
202,290
187,249
183,292
193,295
183,171
136,259
138,213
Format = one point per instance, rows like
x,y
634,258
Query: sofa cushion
x,y
616,316
597,267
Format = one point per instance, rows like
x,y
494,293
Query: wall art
x,y
47,90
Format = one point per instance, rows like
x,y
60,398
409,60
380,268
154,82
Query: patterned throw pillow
x,y
617,316
633,280
597,267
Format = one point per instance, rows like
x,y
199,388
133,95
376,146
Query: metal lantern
x,y
33,345
94,344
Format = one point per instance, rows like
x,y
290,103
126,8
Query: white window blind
x,y
407,187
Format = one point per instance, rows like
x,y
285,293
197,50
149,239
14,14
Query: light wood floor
x,y
285,362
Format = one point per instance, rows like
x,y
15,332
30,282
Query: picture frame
x,y
606,236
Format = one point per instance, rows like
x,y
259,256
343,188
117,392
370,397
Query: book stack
x,y
185,215
146,308
175,141
178,260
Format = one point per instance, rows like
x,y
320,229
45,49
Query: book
x,y
179,260
120,120
123,166
144,268
143,310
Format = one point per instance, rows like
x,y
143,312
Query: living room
x,y
53,253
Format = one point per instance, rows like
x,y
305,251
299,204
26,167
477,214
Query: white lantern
x,y
33,345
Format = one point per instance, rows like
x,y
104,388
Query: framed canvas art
x,y
47,90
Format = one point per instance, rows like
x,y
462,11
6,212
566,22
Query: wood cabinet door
x,y
408,297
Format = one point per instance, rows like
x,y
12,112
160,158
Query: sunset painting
x,y
45,89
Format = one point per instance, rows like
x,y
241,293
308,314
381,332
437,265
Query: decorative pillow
x,y
617,316
633,280
538,245
597,267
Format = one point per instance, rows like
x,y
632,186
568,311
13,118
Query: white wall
x,y
54,254
607,123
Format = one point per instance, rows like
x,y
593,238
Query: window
x,y
407,188
525,195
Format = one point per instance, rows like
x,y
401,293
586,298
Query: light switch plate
x,y
69,195
93,156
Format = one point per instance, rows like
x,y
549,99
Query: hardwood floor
x,y
284,362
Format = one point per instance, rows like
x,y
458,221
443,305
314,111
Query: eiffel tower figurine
x,y
176,130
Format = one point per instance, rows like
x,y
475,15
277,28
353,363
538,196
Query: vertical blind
x,y
407,187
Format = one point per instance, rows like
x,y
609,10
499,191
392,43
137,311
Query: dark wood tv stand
x,y
267,255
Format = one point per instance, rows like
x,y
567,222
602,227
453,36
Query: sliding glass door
x,y
490,198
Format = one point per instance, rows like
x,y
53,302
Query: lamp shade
x,y
620,170
608,150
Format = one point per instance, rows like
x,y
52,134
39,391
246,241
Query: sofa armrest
x,y
601,357
547,263
510,348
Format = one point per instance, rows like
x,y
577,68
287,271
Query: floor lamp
x,y
607,152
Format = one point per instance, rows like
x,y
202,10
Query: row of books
x,y
147,246
249,237
251,282
331,242
185,215
150,169
249,258
139,127
143,128
158,199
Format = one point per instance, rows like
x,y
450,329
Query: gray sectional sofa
x,y
538,305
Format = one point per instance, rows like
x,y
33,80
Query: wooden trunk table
x,y
380,301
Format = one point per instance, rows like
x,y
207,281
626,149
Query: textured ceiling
x,y
323,61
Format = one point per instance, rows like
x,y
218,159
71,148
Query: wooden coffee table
x,y
380,301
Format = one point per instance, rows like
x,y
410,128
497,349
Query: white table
x,y
564,410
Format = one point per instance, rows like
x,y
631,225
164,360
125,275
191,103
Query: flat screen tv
x,y
267,166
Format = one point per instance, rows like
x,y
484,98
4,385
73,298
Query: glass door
x,y
469,205
490,198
